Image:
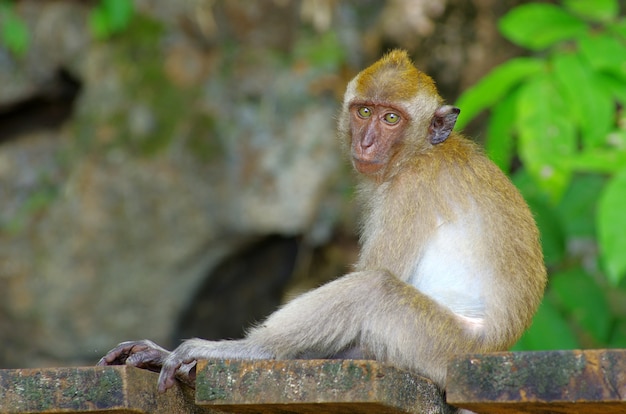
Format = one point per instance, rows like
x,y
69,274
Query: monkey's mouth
x,y
367,166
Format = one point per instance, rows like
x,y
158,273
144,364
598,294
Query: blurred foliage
x,y
106,19
149,122
323,51
110,17
559,112
14,34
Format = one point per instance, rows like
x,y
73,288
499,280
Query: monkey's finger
x,y
151,359
187,374
119,354
167,378
114,357
101,362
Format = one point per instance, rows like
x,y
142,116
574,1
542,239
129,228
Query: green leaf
x,y
499,144
551,230
547,138
537,26
528,186
611,227
119,13
597,10
613,86
605,52
493,87
578,205
14,33
548,221
110,16
618,339
98,24
592,107
548,331
598,160
585,301
619,28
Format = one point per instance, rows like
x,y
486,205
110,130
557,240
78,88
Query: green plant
x,y
14,34
560,111
110,17
106,19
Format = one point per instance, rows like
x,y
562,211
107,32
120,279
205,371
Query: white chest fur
x,y
451,269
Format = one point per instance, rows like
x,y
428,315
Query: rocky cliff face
x,y
134,167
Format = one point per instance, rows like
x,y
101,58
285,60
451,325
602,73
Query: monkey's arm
x,y
372,310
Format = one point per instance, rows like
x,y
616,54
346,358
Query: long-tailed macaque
x,y
450,261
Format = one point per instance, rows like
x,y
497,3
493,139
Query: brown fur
x,y
393,78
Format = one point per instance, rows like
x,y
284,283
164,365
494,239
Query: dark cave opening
x,y
48,108
243,289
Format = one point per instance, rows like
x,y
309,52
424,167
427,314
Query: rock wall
x,y
132,167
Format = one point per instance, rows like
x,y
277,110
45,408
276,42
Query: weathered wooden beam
x,y
117,389
295,386
590,381
315,386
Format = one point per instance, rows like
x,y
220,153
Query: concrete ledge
x,y
591,381
315,386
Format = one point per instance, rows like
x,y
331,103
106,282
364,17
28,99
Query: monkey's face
x,y
386,114
375,131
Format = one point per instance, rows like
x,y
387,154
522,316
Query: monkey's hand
x,y
141,354
148,355
178,364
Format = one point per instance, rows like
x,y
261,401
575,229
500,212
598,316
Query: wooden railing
x,y
592,381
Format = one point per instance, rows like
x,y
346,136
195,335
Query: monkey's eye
x,y
391,118
364,112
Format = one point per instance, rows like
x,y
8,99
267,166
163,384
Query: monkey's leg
x,y
410,330
372,310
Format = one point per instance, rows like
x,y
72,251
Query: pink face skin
x,y
375,129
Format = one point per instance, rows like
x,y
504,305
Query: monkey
x,y
450,260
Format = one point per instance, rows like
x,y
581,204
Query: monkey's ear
x,y
442,124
